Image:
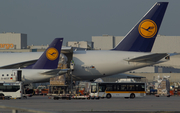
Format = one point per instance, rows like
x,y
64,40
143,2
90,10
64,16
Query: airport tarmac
x,y
148,103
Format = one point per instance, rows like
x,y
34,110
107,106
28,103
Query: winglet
x,y
50,58
141,37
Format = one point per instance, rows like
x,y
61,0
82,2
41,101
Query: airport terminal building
x,y
17,42
11,40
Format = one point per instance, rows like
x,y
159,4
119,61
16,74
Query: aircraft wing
x,y
148,58
55,72
18,65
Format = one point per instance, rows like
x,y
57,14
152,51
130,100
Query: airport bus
x,y
122,89
12,89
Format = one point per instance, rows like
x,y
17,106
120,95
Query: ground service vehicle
x,y
108,90
13,89
41,90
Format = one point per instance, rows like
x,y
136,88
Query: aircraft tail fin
x,y
50,58
142,36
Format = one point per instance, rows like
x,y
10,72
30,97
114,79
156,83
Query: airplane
x,y
131,53
44,68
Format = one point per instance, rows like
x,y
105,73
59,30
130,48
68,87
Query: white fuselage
x,y
88,64
27,75
95,64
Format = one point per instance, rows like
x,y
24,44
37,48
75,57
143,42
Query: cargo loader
x,y
163,87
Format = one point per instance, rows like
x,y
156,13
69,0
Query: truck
x,y
58,89
41,90
58,92
163,87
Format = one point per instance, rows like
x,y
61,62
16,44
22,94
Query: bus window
x,y
115,89
131,87
1,87
142,87
109,88
128,88
8,88
123,87
118,89
137,87
102,88
93,89
15,88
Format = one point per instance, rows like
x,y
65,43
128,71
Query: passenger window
x,y
109,88
118,88
137,87
142,87
7,74
102,88
123,87
131,87
115,88
2,74
11,74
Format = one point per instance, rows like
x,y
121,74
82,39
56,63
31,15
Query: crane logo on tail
x,y
52,53
147,28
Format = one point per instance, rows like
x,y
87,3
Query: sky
x,y
79,20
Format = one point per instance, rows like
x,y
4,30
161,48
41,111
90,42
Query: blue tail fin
x,y
50,58
141,37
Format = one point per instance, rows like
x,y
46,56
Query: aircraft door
x,y
14,74
19,75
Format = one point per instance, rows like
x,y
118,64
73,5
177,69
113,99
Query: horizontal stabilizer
x,y
148,58
173,54
56,71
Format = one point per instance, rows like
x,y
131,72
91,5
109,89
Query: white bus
x,y
127,90
12,89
